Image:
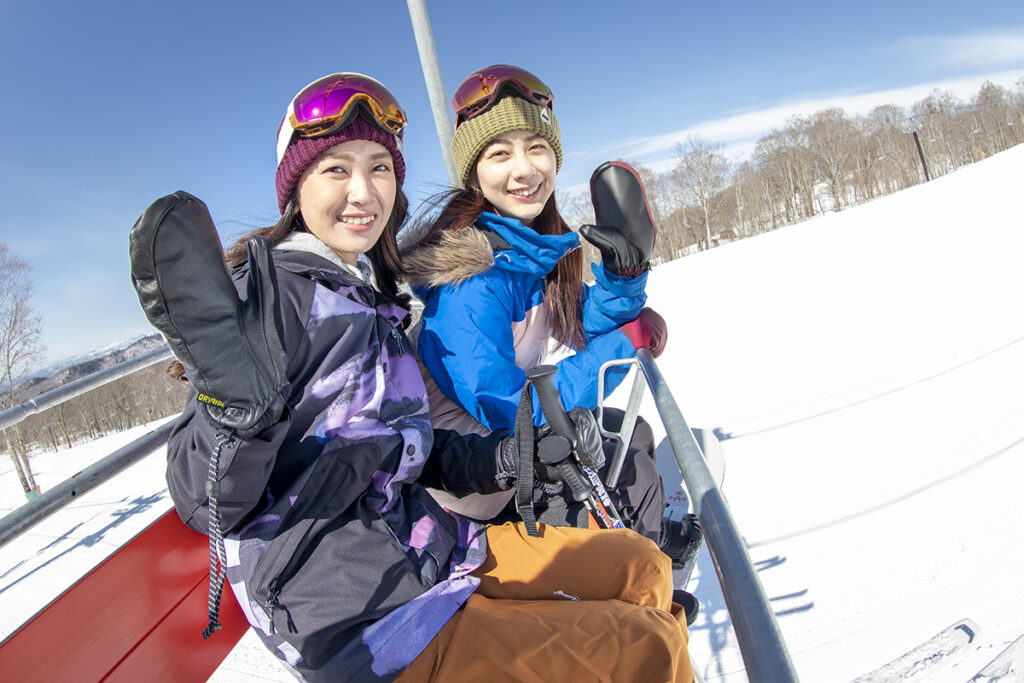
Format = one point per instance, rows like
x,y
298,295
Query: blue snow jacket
x,y
342,562
485,322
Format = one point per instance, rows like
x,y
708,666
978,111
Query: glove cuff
x,y
505,457
647,330
270,417
631,272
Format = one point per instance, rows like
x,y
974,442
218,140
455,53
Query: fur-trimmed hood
x,y
453,256
447,257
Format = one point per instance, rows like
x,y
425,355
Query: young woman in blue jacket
x,y
500,275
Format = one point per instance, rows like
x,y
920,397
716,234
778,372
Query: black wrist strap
x,y
525,447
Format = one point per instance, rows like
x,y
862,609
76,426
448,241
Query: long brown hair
x,y
564,284
387,267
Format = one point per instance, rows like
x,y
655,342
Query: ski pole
x,y
601,507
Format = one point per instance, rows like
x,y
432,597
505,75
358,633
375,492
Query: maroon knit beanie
x,y
302,152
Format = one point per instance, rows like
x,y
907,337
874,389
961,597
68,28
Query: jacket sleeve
x,y
463,463
466,344
612,301
245,467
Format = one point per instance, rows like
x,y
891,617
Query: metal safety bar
x,y
765,656
41,507
54,397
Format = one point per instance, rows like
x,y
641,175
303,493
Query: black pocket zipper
x,y
283,561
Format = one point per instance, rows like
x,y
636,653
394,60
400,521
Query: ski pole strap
x,y
524,448
218,554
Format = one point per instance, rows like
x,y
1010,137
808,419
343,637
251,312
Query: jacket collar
x,y
534,253
307,242
494,241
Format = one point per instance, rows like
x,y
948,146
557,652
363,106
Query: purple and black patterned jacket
x,y
342,562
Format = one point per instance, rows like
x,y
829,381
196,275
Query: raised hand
x,y
624,232
231,349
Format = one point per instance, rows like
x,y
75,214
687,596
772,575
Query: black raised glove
x,y
231,349
624,232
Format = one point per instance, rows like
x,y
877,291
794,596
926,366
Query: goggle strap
x,y
505,89
356,109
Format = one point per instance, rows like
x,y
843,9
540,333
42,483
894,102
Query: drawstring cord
x,y
218,555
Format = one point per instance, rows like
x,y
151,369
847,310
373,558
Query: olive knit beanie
x,y
509,114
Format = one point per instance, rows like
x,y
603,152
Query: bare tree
x,y
20,345
63,419
945,131
995,114
783,158
887,130
832,137
702,175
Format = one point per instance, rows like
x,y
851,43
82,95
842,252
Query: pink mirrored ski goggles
x,y
327,104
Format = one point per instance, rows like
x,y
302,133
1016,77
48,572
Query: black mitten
x,y
231,349
625,230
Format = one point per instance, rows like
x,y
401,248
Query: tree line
x,y
137,399
813,164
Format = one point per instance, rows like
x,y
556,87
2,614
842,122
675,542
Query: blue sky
x,y
110,104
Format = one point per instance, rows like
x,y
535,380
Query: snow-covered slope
x,y
866,373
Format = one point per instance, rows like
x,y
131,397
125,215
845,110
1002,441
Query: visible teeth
x,y
523,193
357,221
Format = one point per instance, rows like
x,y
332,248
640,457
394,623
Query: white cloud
x,y
990,49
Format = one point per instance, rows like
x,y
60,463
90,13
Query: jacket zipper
x,y
274,586
393,331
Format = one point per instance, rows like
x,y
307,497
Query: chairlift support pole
x,y
435,85
920,153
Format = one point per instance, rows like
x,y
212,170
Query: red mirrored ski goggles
x,y
483,88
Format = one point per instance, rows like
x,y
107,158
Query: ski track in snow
x,y
865,372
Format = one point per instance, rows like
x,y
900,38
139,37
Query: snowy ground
x,y
865,371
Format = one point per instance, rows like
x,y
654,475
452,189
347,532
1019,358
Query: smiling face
x,y
516,174
346,196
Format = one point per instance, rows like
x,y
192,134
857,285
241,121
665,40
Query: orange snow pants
x,y
571,605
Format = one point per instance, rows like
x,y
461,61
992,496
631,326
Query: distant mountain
x,y
85,357
67,370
